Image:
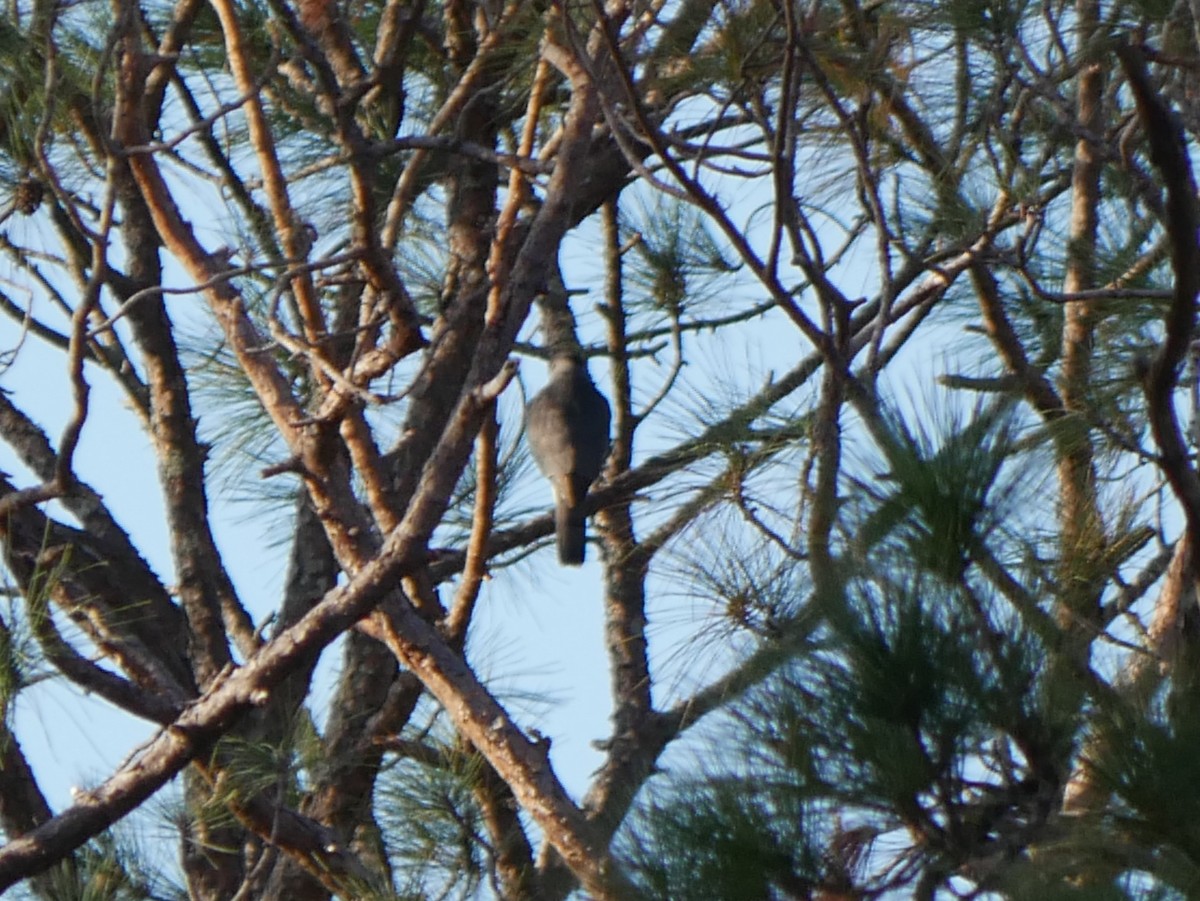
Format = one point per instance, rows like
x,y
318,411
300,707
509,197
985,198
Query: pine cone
x,y
28,196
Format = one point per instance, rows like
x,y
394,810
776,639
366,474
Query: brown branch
x,y
331,491
522,763
475,563
17,499
399,23
511,852
826,451
1036,387
23,807
207,719
329,27
158,617
64,474
287,222
1142,673
27,322
320,850
170,45
466,88
1168,152
1080,517
256,217
700,196
155,706
339,794
369,464
384,287
205,589
500,254
50,560
312,572
525,165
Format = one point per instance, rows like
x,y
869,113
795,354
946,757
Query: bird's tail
x,y
571,532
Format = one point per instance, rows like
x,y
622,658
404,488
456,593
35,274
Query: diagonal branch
x,y
201,724
1168,152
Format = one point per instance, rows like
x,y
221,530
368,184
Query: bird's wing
x,y
549,436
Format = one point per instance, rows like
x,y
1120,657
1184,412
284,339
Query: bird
x,y
566,425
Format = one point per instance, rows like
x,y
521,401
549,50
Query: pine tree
x,y
894,307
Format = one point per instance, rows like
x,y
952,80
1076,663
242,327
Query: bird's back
x,y
567,424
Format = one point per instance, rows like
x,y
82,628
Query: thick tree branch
x,y
1168,152
208,718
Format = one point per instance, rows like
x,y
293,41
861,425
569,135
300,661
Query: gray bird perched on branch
x,y
567,427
